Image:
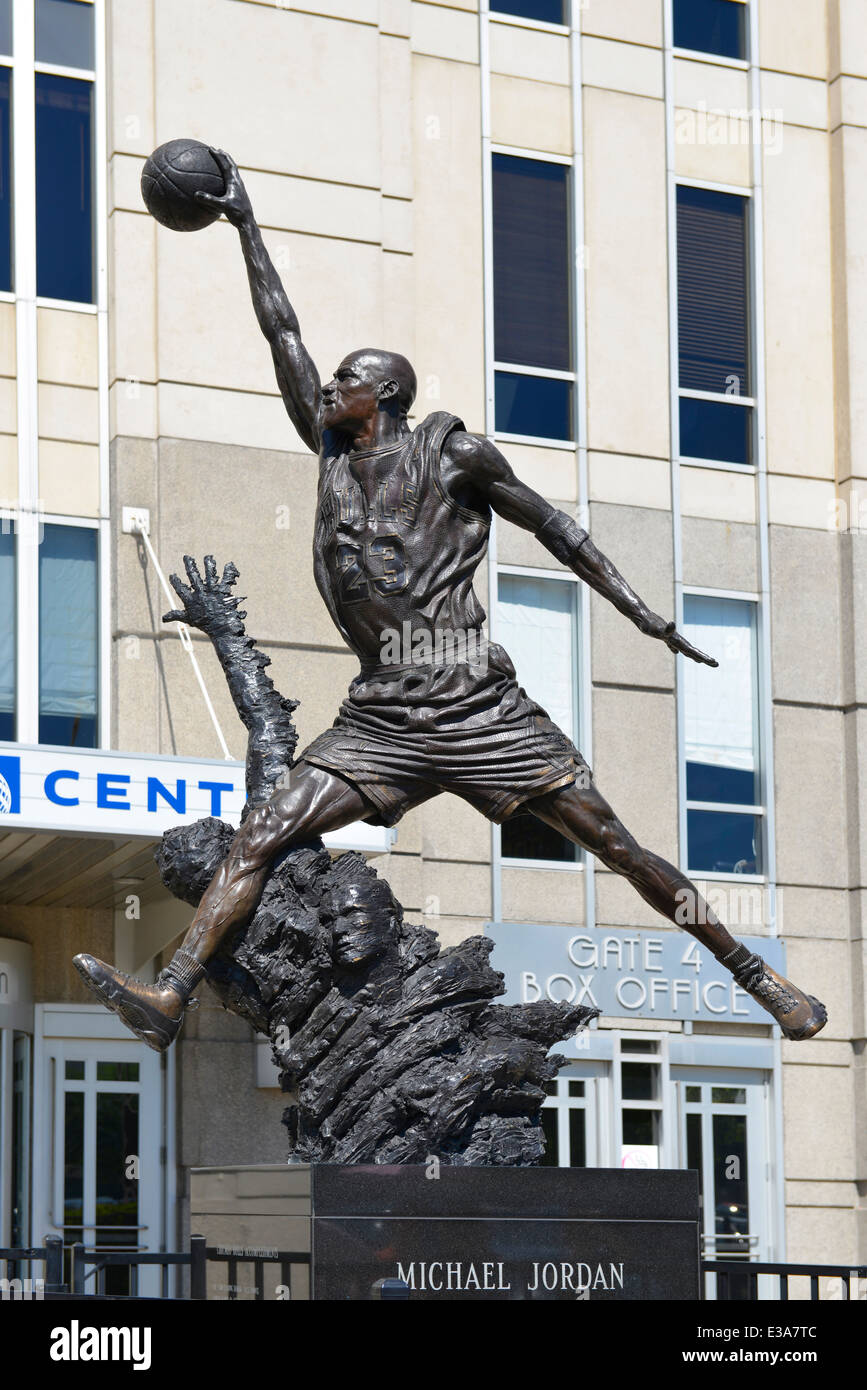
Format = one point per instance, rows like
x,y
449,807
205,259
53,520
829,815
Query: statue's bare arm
x,y
474,470
296,371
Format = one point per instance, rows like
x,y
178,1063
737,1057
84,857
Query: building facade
x,y
626,241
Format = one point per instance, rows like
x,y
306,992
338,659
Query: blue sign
x,y
10,786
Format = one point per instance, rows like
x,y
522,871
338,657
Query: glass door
x,y
570,1118
14,1137
98,1122
724,1136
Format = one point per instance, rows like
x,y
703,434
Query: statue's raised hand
x,y
676,642
235,201
653,626
209,603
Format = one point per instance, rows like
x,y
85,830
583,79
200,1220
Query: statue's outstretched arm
x,y
473,465
210,606
297,375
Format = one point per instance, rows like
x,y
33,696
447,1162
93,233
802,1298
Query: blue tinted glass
x,y
711,26
712,291
534,405
724,842
713,430
524,836
7,631
547,11
68,630
5,26
707,782
64,188
531,262
5,179
64,33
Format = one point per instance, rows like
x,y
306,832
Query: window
x,y
62,77
5,26
543,11
724,826
641,1106
64,188
5,174
64,33
7,632
567,1123
713,326
64,151
711,26
68,636
534,377
537,623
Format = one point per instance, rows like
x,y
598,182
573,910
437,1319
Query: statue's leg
x,y
315,803
585,817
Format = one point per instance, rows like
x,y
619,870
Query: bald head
x,y
377,366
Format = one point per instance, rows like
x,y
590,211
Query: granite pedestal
x,y
460,1233
505,1233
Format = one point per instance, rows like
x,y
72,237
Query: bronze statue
x,y
402,523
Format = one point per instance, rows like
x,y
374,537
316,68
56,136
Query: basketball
x,y
172,176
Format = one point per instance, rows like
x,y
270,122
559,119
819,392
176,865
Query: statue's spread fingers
x,y
210,570
192,572
183,593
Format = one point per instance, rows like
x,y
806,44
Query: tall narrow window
x,y
64,151
724,814
64,188
534,377
711,26
5,174
7,632
713,326
68,629
538,626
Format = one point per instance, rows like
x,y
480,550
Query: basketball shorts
x,y
405,733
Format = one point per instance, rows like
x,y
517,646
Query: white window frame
x,y
29,514
760,809
555,577
546,373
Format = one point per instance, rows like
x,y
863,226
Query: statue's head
x,y
363,921
367,383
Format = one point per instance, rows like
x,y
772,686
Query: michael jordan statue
x,y
402,523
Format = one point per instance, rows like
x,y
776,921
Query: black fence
x,y
90,1270
738,1280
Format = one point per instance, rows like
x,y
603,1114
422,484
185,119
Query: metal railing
x,y
50,1256
88,1269
92,1264
744,1274
232,1259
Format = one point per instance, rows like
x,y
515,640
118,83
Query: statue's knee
x,y
258,839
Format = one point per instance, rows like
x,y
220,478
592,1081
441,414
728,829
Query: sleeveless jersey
x,y
390,547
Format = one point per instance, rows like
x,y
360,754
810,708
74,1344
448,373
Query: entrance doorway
x,y
99,1150
724,1137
